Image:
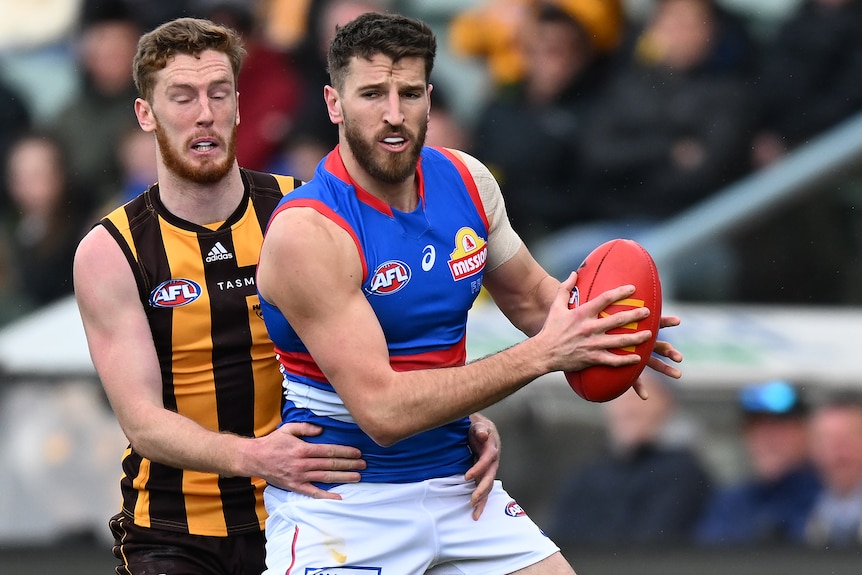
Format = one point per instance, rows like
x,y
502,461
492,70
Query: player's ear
x,y
333,104
145,115
428,92
237,108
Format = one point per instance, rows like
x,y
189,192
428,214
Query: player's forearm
x,y
416,401
172,439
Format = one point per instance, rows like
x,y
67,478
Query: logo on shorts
x,y
514,510
343,570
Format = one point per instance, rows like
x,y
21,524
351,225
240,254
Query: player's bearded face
x,y
198,170
389,167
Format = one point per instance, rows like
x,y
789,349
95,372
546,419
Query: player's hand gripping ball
x,y
613,264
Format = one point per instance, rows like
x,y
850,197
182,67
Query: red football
x,y
613,264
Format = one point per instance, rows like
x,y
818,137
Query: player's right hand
x,y
285,460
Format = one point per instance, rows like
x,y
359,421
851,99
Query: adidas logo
x,y
218,253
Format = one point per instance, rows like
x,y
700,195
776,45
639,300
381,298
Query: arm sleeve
x,y
503,241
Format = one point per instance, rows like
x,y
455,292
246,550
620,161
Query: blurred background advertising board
x,y
729,345
723,344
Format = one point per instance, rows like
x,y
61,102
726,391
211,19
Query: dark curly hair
x,y
375,33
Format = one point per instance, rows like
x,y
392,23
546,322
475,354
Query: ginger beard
x,y
202,172
388,167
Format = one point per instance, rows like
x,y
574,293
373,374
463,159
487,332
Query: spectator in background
x,y
492,31
836,448
673,127
444,127
808,82
15,119
150,14
285,22
773,503
9,309
808,79
313,135
527,134
92,125
649,487
43,223
270,85
137,154
670,130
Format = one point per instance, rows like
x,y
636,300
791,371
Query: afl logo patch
x,y
175,293
514,510
389,277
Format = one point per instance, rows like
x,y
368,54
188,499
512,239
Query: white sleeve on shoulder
x,y
503,241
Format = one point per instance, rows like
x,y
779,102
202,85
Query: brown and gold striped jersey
x,y
217,362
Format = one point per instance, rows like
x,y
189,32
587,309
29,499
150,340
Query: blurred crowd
x,y
598,120
800,482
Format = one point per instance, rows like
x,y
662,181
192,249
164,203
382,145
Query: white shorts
x,y
400,529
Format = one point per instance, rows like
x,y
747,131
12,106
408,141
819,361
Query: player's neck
x,y
402,196
201,204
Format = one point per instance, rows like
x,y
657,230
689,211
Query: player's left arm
x,y
521,288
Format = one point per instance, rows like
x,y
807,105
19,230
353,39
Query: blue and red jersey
x,y
422,271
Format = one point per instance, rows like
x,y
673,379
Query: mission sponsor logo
x,y
389,277
468,258
175,293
